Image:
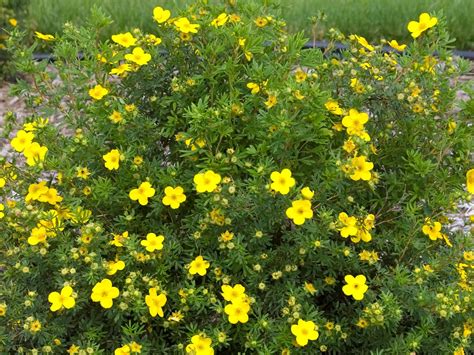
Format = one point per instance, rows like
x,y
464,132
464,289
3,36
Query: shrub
x,y
212,187
9,10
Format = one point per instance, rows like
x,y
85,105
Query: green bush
x,y
212,187
9,11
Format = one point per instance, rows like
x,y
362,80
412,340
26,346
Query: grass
x,y
374,19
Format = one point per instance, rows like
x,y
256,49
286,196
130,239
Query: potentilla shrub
x,y
211,187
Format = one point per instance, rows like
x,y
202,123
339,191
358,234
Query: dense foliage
x,y
211,187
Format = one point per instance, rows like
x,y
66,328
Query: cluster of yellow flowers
x,y
33,151
146,191
239,306
355,227
300,209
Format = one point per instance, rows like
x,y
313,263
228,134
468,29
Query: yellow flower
x,y
207,181
254,88
233,293
451,127
98,92
297,94
299,211
425,22
200,345
2,182
349,146
2,208
63,299
272,101
155,302
44,37
261,21
3,309
161,15
121,69
300,76
176,316
226,236
470,181
152,39
309,287
114,266
357,86
307,193
304,331
333,107
34,153
51,196
112,159
22,140
35,326
119,239
82,173
468,255
13,22
362,41
361,168
38,235
362,323
174,196
153,242
355,286
354,123
399,47
130,107
138,160
104,293
432,229
138,56
142,193
370,256
124,350
124,39
220,20
135,347
237,312
185,36
350,228
73,349
282,181
199,266
184,26
36,190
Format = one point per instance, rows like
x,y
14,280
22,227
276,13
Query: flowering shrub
x,y
9,10
212,187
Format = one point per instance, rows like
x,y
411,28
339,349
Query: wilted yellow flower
x,y
44,37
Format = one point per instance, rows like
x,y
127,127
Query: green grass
x,y
374,19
